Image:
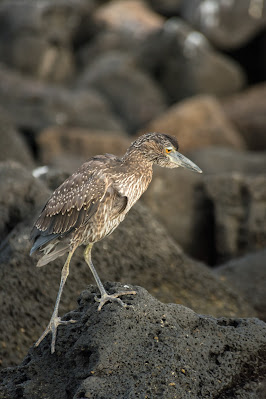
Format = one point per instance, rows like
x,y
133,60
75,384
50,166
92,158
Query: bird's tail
x,y
50,255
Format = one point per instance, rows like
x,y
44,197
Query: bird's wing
x,y
73,203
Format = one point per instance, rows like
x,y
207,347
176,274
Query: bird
x,y
91,203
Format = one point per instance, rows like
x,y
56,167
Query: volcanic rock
x,y
148,349
227,24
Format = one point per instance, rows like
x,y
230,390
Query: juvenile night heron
x,y
91,203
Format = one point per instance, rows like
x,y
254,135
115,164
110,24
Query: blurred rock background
x,y
85,77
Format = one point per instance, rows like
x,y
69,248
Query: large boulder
x,y
247,275
247,112
227,24
149,349
197,122
239,204
129,18
186,64
134,95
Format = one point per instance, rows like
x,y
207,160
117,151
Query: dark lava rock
x,y
13,146
35,105
185,63
239,204
248,276
148,350
228,24
247,112
134,95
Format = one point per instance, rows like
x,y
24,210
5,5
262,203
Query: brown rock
x,y
132,17
247,111
198,122
239,213
57,145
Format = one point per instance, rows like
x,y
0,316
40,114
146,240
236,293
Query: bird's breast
x,y
133,186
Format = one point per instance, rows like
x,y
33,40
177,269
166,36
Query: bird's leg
x,y
105,297
55,320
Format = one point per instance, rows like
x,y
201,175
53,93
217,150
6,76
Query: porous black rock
x,y
148,350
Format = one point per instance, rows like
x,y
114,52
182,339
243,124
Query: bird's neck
x,y
136,161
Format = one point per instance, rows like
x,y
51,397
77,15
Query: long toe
x,y
52,327
113,298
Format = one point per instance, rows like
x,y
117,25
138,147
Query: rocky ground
x,y
79,78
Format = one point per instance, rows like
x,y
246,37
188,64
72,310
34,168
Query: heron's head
x,y
162,149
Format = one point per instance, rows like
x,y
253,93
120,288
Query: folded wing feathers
x,y
73,203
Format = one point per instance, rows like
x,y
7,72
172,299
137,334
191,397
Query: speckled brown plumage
x,y
92,202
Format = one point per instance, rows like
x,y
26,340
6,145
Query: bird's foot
x,y
52,327
113,298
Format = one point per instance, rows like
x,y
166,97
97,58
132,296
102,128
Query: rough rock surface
x,y
150,350
248,276
198,122
246,111
239,204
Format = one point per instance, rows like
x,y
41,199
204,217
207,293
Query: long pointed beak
x,y
181,160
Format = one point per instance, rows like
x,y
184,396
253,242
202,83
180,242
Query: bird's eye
x,y
168,149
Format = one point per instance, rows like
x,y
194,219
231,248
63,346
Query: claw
x,y
113,298
52,327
